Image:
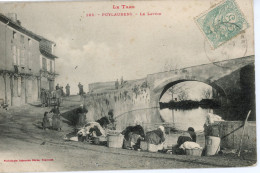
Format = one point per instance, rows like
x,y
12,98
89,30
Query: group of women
x,y
133,135
52,120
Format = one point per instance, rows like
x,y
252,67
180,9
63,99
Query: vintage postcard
x,y
127,85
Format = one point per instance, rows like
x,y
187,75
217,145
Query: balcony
x,y
48,74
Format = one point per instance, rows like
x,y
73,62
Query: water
x,y
183,119
180,120
140,117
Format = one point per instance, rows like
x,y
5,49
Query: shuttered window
x,y
29,87
51,70
18,56
44,64
41,61
22,39
14,54
48,65
19,87
29,60
14,35
53,66
29,42
23,58
15,86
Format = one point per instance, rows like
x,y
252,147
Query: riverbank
x,y
22,139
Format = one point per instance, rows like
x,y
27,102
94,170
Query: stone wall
x,y
130,105
230,133
101,85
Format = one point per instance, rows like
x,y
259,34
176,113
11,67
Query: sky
x,y
103,48
194,91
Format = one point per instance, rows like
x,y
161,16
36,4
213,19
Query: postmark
x,y
222,23
234,48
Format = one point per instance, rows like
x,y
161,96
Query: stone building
x,y
27,62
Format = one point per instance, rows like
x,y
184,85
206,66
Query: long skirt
x,y
46,123
134,140
82,119
154,138
56,123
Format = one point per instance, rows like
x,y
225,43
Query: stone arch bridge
x,y
232,79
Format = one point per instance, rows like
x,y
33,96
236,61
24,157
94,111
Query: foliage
x,y
191,104
183,95
206,93
180,90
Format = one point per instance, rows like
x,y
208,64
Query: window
x,y
51,65
29,42
41,61
48,64
44,64
14,35
29,86
18,57
30,60
15,87
19,86
22,39
14,54
23,58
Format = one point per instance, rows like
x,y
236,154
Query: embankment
x,y
130,105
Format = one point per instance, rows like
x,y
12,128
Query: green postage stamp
x,y
222,23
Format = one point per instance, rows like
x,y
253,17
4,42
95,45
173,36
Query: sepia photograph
x,y
127,85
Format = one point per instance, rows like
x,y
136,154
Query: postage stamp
x,y
222,23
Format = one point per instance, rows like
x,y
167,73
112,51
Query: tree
x,y
178,89
206,93
183,95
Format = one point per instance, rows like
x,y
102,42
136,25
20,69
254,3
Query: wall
x,y
130,105
28,68
101,85
2,45
47,66
240,91
2,86
231,132
32,63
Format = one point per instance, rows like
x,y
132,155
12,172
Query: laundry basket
x,y
193,152
115,140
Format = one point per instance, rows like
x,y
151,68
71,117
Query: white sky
x,y
193,89
106,48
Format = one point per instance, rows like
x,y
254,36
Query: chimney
x,y
13,17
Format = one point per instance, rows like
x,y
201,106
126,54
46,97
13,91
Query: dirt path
x,y
21,139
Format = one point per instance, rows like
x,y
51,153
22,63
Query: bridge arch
x,y
161,88
167,86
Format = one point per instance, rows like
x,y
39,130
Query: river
x,y
183,119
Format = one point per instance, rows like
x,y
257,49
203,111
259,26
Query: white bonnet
x,y
161,127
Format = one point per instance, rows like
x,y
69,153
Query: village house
x,y
27,62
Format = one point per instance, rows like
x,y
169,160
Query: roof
x,y
20,28
47,54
